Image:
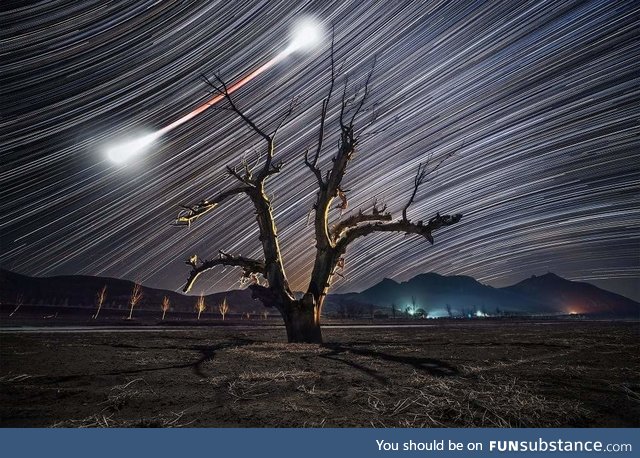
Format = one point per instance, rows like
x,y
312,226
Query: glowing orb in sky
x,y
120,153
306,34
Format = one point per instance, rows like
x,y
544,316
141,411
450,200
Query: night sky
x,y
539,100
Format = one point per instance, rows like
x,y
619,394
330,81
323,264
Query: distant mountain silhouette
x,y
546,294
80,291
573,296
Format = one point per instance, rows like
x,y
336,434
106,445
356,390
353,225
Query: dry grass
x,y
252,385
120,395
256,352
14,378
487,401
168,420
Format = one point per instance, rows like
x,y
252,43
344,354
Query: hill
x,y
80,291
546,294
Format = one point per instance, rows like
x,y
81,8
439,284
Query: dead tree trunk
x,y
302,316
302,322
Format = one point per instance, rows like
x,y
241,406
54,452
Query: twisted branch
x,y
249,266
190,213
422,175
377,214
419,228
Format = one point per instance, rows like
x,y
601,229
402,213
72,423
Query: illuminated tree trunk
x,y
302,321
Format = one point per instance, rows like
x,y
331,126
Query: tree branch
x,y
292,106
365,96
424,230
377,214
267,169
330,187
314,168
313,165
249,266
225,92
188,214
273,266
421,177
421,174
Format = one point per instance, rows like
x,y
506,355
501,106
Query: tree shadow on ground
x,y
207,353
431,366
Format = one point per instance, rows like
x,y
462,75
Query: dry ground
x,y
477,374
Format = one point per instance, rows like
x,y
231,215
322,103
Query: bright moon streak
x,y
120,153
306,35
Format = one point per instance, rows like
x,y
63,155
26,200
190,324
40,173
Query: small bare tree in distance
x,y
19,302
165,306
200,305
135,298
100,297
223,308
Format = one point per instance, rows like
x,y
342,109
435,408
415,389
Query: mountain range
x,y
545,294
430,292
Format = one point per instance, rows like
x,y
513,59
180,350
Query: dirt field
x,y
477,374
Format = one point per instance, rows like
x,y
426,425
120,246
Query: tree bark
x,y
302,323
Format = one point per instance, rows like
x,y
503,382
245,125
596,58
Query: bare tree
x,y
100,297
302,316
223,308
19,302
135,298
166,304
200,305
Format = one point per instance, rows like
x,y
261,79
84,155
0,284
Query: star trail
x,y
538,100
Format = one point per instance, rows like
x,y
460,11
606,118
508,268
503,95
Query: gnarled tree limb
x,y
424,230
377,214
422,175
272,266
193,212
249,266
